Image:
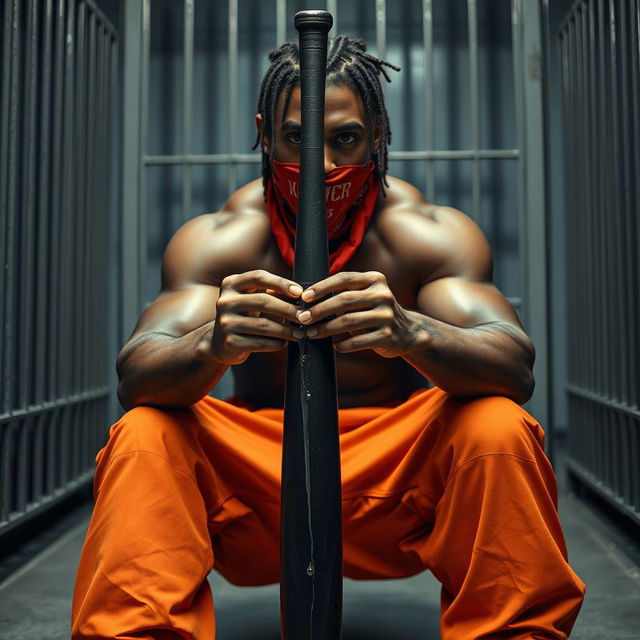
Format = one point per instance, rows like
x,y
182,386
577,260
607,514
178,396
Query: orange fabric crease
x,y
459,486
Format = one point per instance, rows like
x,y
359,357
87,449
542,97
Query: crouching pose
x,y
449,476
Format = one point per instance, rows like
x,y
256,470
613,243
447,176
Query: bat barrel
x,y
311,505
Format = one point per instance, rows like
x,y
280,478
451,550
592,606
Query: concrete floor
x,y
35,600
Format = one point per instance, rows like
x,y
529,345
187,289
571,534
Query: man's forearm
x,y
159,369
490,359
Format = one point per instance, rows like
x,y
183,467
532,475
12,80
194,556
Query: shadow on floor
x,y
372,610
35,601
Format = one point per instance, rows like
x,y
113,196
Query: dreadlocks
x,y
348,64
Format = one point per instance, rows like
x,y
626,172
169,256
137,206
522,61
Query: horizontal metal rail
x,y
250,158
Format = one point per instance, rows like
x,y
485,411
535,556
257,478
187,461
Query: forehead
x,y
340,104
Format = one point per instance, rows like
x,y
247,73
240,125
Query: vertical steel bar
x,y
6,469
65,326
472,12
634,448
187,104
42,351
634,58
617,229
56,180
5,84
22,465
381,27
332,8
26,364
281,22
63,446
104,196
12,207
97,239
570,196
604,206
37,462
99,198
83,322
569,181
586,205
429,125
629,334
51,453
591,266
233,90
578,200
89,285
144,146
114,134
517,43
134,81
597,207
575,197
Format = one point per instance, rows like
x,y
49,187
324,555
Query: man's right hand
x,y
251,317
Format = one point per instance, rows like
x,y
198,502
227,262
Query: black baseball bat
x,y
311,515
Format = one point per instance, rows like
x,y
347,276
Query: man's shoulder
x,y
421,231
225,241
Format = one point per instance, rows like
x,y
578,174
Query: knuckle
x,y
387,314
228,281
376,276
260,274
223,302
387,332
229,341
348,321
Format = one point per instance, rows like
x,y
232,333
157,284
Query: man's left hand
x,y
367,314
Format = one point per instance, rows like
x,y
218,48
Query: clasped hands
x,y
256,312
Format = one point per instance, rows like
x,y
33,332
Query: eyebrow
x,y
292,125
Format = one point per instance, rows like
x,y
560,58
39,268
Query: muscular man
x,y
450,477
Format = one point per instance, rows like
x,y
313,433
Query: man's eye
x,y
346,138
294,138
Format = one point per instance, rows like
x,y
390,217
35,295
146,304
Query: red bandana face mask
x,y
351,196
343,187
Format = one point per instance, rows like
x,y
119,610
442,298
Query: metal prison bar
x,y
600,84
59,69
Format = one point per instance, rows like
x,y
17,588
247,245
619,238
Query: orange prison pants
x,y
460,486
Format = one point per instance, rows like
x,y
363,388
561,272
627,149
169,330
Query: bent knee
x,y
492,424
153,429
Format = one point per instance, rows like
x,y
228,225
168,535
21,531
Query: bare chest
x,y
364,377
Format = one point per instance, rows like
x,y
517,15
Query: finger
x,y
256,314
347,323
338,305
259,278
263,326
369,340
346,280
262,302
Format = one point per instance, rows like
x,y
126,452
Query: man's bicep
x,y
190,283
461,291
465,303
